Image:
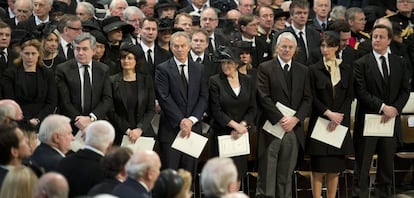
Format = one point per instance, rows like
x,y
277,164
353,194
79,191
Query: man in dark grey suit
x,y
84,88
306,38
382,88
182,94
287,82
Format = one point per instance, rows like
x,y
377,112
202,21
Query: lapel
x,y
76,78
297,80
325,72
375,71
227,86
192,71
141,91
176,77
279,75
394,71
119,87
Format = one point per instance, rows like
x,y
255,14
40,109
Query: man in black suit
x,y
182,94
307,38
23,10
84,88
83,169
321,8
209,22
13,148
41,9
249,30
143,170
55,135
287,82
382,88
266,21
149,32
199,45
6,55
69,27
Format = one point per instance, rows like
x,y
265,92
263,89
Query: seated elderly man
x,y
55,135
219,177
83,169
9,111
143,170
52,184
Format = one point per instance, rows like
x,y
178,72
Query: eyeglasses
x,y
208,19
76,29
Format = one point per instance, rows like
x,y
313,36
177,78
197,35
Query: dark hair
x,y
380,26
298,4
31,43
245,19
340,26
113,162
139,60
66,20
8,140
150,19
199,30
330,38
4,25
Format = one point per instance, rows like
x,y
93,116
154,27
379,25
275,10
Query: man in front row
x,y
285,81
84,88
382,88
182,94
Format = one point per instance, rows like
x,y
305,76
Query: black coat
x,y
323,99
131,188
46,157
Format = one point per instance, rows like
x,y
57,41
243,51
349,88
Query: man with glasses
x,y
133,16
69,28
209,22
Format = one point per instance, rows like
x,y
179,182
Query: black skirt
x,y
328,164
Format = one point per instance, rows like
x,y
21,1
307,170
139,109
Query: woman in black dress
x,y
133,96
50,43
331,82
233,104
31,85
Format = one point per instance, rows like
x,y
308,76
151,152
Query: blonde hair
x,y
20,182
186,184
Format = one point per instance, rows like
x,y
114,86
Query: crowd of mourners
x,y
275,73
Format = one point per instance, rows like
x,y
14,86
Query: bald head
x,y
144,166
11,109
52,184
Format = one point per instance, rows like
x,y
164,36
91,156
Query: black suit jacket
x,y
272,88
82,170
370,92
105,187
131,188
11,56
219,40
324,99
171,98
312,42
160,56
225,105
69,88
145,108
211,67
46,157
28,25
15,87
349,55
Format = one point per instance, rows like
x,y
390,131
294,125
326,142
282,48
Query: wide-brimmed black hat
x,y
100,37
280,13
45,29
165,24
89,25
134,49
244,46
59,6
166,4
112,23
228,54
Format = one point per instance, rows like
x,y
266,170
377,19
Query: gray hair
x,y
138,165
49,1
7,111
83,37
351,12
90,9
287,35
338,12
99,134
180,34
133,10
216,176
53,185
114,2
52,124
383,21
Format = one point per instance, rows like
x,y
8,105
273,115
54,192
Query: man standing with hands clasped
x,y
382,88
183,96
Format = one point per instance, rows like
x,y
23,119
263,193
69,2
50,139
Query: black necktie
x,y
69,54
3,59
302,43
198,60
323,25
149,58
184,80
211,45
87,90
384,69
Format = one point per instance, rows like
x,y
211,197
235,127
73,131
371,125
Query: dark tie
x,y
3,58
287,77
198,60
302,43
184,80
87,90
211,45
149,58
323,25
384,69
69,54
